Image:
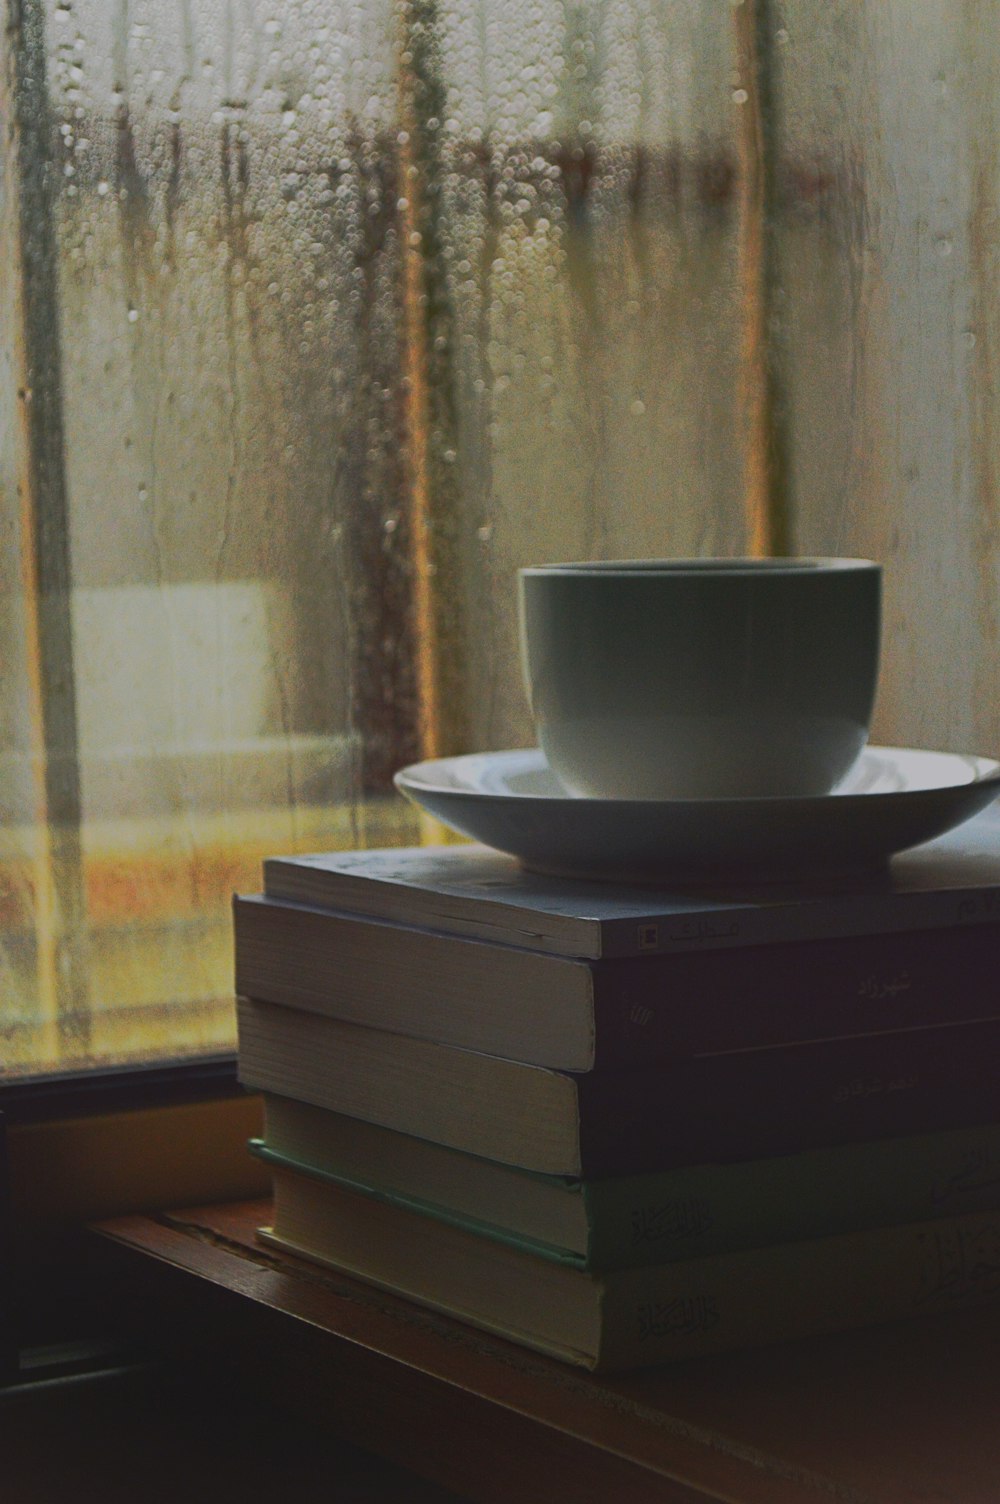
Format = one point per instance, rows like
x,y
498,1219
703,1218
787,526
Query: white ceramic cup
x,y
701,678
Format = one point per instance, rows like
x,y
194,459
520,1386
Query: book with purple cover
x,y
741,1105
574,1013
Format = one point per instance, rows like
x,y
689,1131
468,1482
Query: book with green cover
x,y
634,1220
632,1318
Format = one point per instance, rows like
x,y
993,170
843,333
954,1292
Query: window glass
x,y
327,316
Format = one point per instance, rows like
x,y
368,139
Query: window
x,y
329,314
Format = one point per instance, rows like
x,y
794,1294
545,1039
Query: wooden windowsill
x,y
900,1412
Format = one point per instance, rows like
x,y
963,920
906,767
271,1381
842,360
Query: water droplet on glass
x,y
944,245
133,314
637,408
740,96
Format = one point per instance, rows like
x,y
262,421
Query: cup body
x,y
701,678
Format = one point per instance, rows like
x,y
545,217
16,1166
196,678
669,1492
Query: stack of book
x,y
624,1126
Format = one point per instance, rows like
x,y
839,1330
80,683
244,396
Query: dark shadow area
x,y
153,1435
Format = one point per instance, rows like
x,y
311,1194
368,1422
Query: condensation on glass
x,y
330,315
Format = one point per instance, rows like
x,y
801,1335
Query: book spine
x,y
656,1007
710,1209
799,1289
756,1103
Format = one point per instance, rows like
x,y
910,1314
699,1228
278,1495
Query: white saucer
x,y
892,799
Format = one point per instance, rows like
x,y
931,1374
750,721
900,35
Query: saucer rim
x,y
986,770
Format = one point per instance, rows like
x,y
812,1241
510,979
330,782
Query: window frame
x,y
101,1089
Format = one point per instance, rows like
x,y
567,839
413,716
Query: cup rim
x,y
705,566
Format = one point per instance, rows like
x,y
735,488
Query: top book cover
x,y
471,890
